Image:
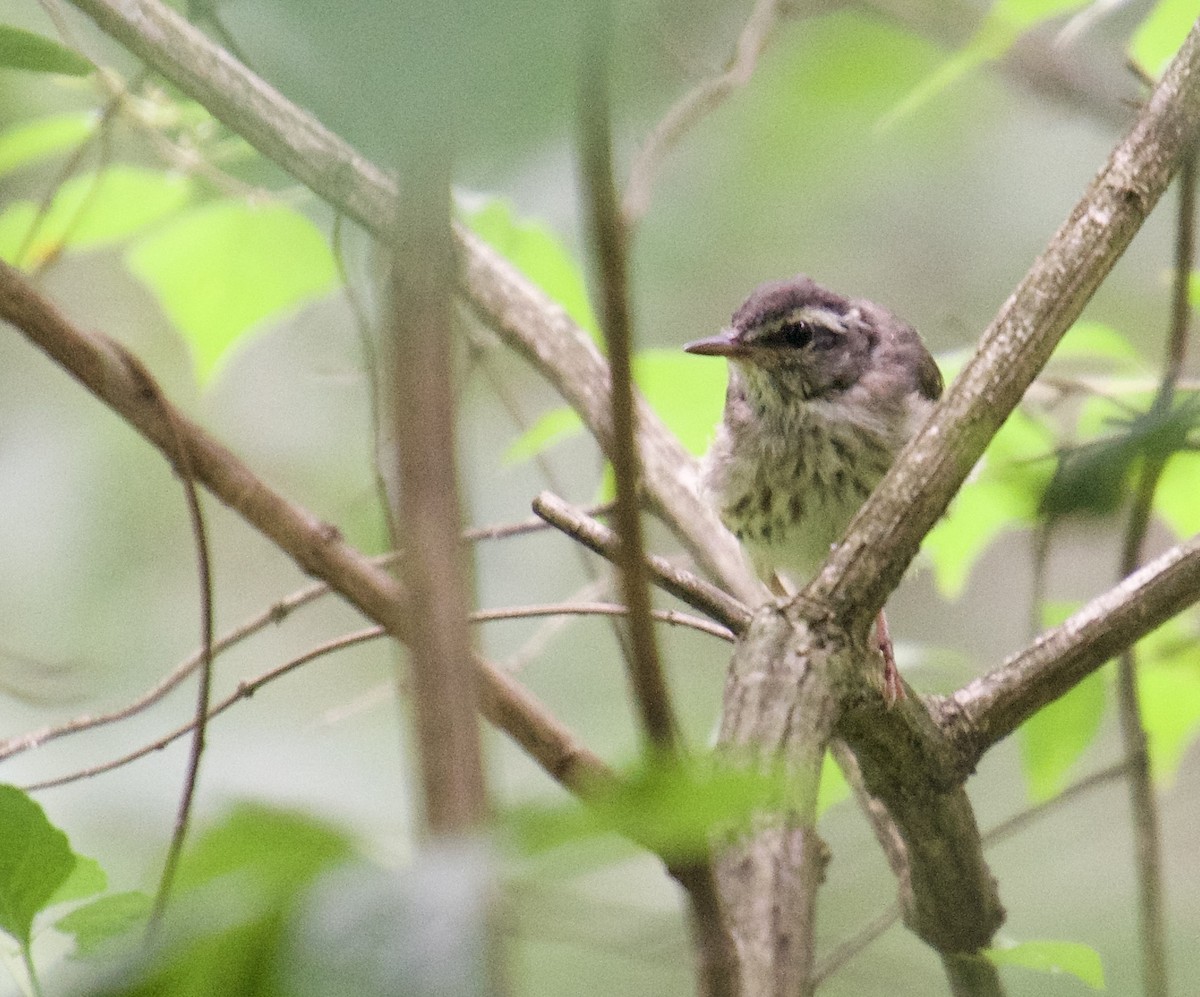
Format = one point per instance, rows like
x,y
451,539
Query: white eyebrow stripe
x,y
811,315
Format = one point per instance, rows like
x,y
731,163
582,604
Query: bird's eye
x,y
795,334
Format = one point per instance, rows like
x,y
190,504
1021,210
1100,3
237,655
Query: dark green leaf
x,y
24,50
35,860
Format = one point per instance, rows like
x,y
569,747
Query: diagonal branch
x,y
993,706
884,537
522,316
102,367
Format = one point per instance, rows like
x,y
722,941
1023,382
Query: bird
x,y
823,392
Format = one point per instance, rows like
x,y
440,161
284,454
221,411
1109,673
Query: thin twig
x,y
598,609
715,957
275,614
694,106
511,405
316,547
651,696
182,460
1144,807
696,592
847,949
371,374
989,708
244,691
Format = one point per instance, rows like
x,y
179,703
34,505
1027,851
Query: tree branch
x,y
100,365
991,707
524,318
885,535
597,537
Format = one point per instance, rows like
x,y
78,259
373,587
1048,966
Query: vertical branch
x,y
421,278
717,976
183,466
1148,844
608,241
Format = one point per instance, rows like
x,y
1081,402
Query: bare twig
x,y
598,609
651,695
713,946
181,458
991,707
846,950
885,536
316,547
523,317
244,691
694,106
1144,807
696,592
421,280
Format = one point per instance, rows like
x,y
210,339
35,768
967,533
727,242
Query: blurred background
x,y
936,215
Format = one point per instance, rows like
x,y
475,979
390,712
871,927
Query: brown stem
x,y
421,280
519,313
316,547
595,536
651,696
715,958
885,535
1143,805
991,707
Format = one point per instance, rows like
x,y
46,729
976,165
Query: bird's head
x,y
795,339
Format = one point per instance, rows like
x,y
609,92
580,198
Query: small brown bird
x,y
823,393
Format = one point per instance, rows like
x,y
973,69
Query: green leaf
x,y
90,211
1095,341
538,254
95,924
35,860
1160,34
1004,23
687,395
45,137
1000,494
672,809
834,788
687,392
24,50
86,880
552,427
223,268
1054,738
1175,499
1081,961
1169,691
279,848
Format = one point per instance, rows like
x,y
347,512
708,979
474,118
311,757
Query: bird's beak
x,y
726,343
